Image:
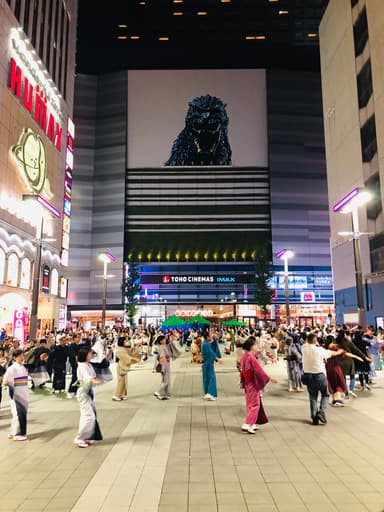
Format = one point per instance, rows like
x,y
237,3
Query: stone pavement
x,y
189,455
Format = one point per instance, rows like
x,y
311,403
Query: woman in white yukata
x,y
16,378
89,430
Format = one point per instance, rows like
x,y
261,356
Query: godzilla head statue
x,y
204,140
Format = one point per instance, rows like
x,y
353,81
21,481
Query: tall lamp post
x,y
285,255
44,205
106,258
350,204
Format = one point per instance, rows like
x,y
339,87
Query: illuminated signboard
x,y
308,297
37,93
46,279
197,279
34,100
20,324
63,288
31,159
67,203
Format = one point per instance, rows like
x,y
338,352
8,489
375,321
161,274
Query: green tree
x,y
131,288
263,275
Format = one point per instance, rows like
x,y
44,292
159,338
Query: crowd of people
x,y
325,360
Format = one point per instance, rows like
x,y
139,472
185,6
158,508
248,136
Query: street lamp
x,y
37,266
284,255
350,204
106,258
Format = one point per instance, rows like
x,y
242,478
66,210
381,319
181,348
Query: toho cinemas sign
x,y
34,100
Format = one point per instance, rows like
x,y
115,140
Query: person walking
x,y
293,358
314,376
3,369
210,353
73,350
254,379
347,364
16,378
164,364
124,361
59,365
89,430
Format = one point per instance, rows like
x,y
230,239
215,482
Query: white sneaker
x,y
353,394
116,399
206,396
10,436
211,398
20,438
368,387
253,429
245,427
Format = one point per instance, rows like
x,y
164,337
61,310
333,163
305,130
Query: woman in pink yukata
x,y
254,380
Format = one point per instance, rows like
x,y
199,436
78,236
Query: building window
x,y
360,32
55,42
49,36
18,9
42,28
25,279
374,206
27,8
13,270
2,266
61,48
54,282
66,56
34,21
364,84
368,139
376,246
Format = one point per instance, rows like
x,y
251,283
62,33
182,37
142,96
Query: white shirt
x,y
314,358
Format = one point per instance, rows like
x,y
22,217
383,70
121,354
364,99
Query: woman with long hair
x,y
89,430
254,379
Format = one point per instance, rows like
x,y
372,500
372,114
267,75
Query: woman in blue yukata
x,y
210,353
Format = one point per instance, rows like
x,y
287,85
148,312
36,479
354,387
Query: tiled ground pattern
x,y
188,455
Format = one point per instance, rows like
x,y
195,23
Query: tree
x,y
263,275
131,288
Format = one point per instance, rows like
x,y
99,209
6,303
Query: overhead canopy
x,y
173,321
197,320
234,322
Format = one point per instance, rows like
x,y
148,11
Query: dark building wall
x,y
299,198
299,204
98,186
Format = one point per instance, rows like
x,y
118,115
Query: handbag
x,y
158,368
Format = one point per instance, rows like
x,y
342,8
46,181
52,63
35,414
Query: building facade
x,y
194,229
37,42
351,47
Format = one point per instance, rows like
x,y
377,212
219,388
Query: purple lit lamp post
x,y
350,204
106,258
44,205
284,255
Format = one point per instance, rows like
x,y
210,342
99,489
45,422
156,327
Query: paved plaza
x,y
189,455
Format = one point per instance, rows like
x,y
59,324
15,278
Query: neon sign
x,y
20,323
67,202
35,102
194,312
